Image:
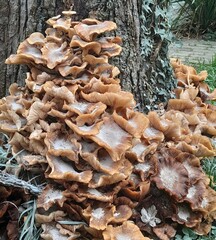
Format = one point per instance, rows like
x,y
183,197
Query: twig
x,y
12,181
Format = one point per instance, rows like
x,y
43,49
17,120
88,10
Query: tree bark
x,y
20,18
144,64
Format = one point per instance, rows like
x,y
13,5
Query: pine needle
x,y
28,230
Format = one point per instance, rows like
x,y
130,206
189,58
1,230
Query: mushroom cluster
x,y
189,123
112,172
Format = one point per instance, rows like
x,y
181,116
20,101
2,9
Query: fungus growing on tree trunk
x,y
108,166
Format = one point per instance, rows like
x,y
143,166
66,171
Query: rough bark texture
x,y
19,18
143,64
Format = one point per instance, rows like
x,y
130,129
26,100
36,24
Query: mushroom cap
x,y
184,215
101,161
180,104
100,216
96,194
100,179
153,135
172,176
158,123
88,32
196,194
140,149
49,197
164,232
87,46
60,144
63,170
113,138
116,100
147,168
53,231
192,165
36,38
49,216
121,214
132,122
128,230
198,145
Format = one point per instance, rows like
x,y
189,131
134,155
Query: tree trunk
x,y
144,64
20,18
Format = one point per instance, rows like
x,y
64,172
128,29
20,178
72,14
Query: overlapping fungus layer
x,y
114,173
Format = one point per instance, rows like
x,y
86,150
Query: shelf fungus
x,y
111,173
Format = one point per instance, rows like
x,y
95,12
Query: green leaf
x,y
146,6
71,222
159,12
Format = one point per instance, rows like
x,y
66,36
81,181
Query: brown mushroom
x,y
87,46
48,217
55,54
180,104
116,100
52,231
164,232
128,230
140,148
96,194
132,122
60,144
26,53
172,176
122,214
101,161
153,135
100,216
100,179
109,46
184,215
36,38
112,164
49,197
113,138
89,32
63,170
